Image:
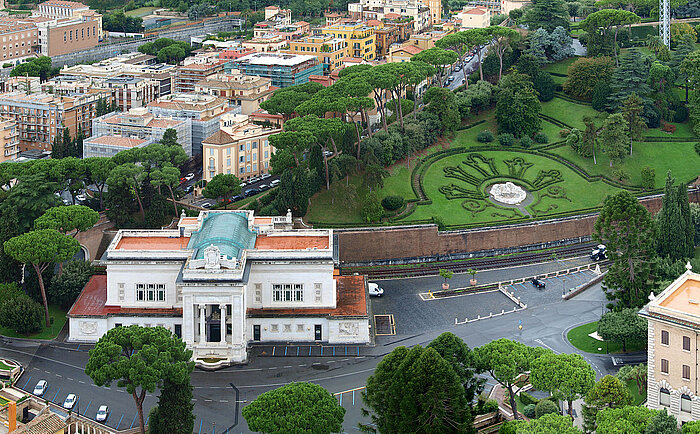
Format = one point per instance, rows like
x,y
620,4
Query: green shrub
x,y
529,411
648,178
485,136
509,427
22,314
697,148
372,210
620,174
545,407
506,139
600,94
392,203
66,288
7,65
544,85
484,405
525,142
680,114
269,209
564,133
541,138
527,399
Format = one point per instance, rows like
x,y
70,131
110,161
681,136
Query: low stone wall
x,y
365,245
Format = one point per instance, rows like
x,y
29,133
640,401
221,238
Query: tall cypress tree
x,y
173,414
675,227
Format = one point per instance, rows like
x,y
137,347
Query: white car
x,y
102,414
81,198
274,183
265,176
70,401
189,176
375,290
243,184
41,388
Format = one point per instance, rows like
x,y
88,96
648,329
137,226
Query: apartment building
x,y
327,48
21,84
360,38
674,326
402,53
239,147
138,123
475,17
195,69
201,111
278,15
389,33
109,146
235,52
127,92
283,69
9,139
65,26
435,7
60,9
41,117
19,42
285,31
378,9
267,43
245,92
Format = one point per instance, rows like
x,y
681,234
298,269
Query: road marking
x,y
303,364
207,400
223,400
59,375
274,367
81,382
288,366
69,379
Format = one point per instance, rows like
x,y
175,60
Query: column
x,y
222,314
202,326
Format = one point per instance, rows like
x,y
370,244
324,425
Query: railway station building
x,y
222,280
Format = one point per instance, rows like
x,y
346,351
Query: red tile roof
x,y
351,301
153,243
93,299
290,242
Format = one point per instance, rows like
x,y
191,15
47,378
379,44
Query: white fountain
x,y
508,193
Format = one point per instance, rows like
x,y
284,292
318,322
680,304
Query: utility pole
x,y
665,22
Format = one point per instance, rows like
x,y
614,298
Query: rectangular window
x,y
151,292
686,343
686,372
298,292
664,366
288,292
161,292
140,292
276,292
664,337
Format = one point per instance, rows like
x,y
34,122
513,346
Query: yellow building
x,y
329,49
360,38
475,17
435,7
9,140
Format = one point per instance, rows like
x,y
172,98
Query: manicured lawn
x,y
3,401
140,12
571,113
682,130
325,206
579,338
637,398
560,67
4,367
46,332
679,157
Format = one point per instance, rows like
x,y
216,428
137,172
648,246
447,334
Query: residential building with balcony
x,y
245,92
378,9
194,69
283,69
267,43
239,147
360,38
41,117
19,42
389,33
9,139
222,280
327,48
673,319
127,92
109,146
138,123
201,111
21,84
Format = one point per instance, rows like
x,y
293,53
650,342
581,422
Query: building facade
x,y
379,9
193,70
19,42
9,139
41,117
109,146
202,112
243,91
673,334
283,69
360,38
475,17
222,280
239,147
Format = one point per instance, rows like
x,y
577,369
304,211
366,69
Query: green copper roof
x,y
228,231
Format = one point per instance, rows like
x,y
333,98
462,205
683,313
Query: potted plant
x,y
446,274
472,281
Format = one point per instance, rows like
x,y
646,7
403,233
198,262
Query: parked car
x,y
537,283
189,176
206,205
188,189
251,192
237,197
81,198
599,253
274,183
375,290
265,176
70,401
102,414
243,184
263,187
41,388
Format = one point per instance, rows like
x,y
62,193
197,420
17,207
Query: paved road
x,y
545,323
469,66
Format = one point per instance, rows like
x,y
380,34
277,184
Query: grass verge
x,y
578,337
46,333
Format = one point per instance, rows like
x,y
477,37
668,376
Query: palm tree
x,y
654,43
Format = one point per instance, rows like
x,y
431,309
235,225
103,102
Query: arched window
x,y
664,397
686,403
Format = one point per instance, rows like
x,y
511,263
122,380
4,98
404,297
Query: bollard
x,y
503,311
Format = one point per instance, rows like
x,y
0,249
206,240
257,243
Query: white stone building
x,y
222,280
